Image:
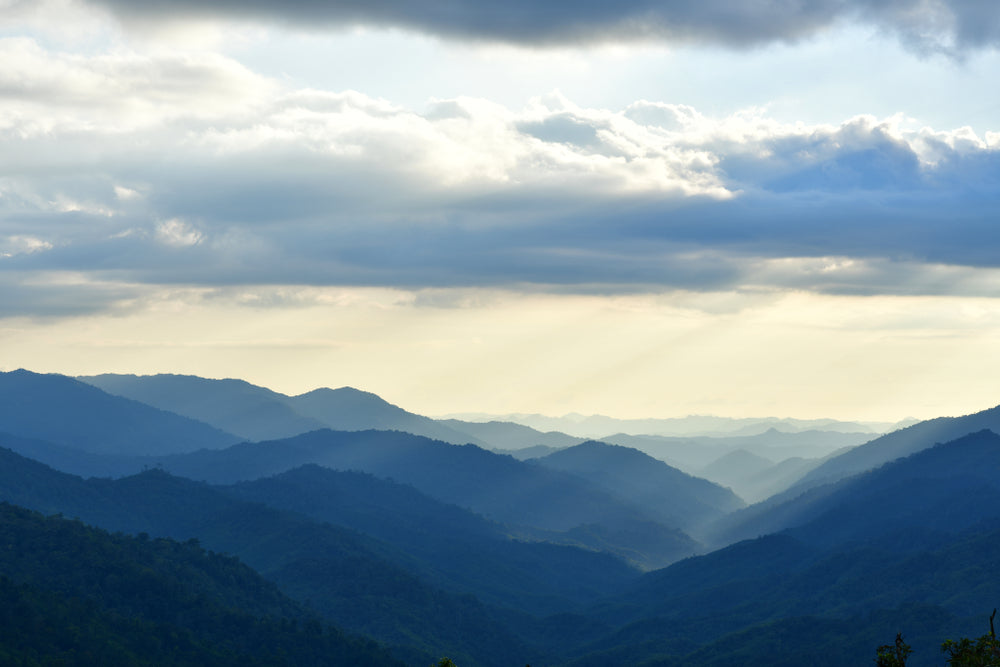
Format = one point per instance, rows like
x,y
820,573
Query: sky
x,y
638,209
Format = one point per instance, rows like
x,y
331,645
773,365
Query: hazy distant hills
x,y
600,426
947,487
348,409
692,454
670,495
755,478
65,411
256,413
901,443
503,435
249,411
736,465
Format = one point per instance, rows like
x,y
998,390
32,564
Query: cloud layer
x,y
129,170
928,25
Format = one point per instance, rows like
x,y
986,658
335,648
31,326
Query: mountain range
x,y
366,539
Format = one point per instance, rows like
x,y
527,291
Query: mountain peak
x,y
345,394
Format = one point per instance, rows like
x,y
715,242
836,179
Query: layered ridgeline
x,y
360,583
538,503
256,413
900,443
781,458
787,507
911,547
670,495
535,502
943,487
75,595
478,556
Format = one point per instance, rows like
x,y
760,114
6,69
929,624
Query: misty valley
x,y
179,520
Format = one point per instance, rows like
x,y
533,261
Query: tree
x,y
984,652
893,655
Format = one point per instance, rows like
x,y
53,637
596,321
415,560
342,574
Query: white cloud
x,y
178,233
46,92
22,245
126,194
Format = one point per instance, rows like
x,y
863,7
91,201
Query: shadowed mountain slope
x,y
65,411
916,538
71,459
778,579
448,546
670,495
498,487
347,577
76,595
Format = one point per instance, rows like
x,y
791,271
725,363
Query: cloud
x,y
926,25
178,233
267,185
44,91
57,294
22,245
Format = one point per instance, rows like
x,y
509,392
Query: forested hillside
x,y
75,595
429,549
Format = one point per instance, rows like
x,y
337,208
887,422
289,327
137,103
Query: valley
x,y
338,524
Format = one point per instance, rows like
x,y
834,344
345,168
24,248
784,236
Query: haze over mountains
x,y
424,536
597,426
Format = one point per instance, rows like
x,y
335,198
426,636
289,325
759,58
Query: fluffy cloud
x,y
929,25
199,172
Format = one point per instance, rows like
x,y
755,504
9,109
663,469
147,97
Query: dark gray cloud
x,y
928,25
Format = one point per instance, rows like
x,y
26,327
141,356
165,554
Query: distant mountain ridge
x,y
438,549
693,453
349,409
257,413
249,411
65,411
601,426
